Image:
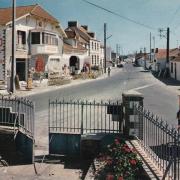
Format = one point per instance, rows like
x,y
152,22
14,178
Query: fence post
x,y
130,98
175,153
82,106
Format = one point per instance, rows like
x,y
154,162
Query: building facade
x,y
39,41
81,35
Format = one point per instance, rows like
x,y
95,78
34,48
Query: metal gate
x,y
159,141
82,117
70,121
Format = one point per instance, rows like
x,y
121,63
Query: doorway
x,y
74,64
175,72
21,69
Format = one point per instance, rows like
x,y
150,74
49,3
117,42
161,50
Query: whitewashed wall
x,y
26,24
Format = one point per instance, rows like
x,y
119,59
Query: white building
x,y
39,41
87,39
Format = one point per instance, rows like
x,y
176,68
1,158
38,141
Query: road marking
x,y
143,87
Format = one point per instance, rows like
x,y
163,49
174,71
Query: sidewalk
x,y
42,87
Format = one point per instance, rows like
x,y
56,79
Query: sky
x,y
130,26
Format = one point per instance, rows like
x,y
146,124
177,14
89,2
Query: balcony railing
x,y
44,49
21,47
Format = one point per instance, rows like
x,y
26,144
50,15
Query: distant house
x,y
175,68
160,58
39,41
115,58
139,59
81,35
75,57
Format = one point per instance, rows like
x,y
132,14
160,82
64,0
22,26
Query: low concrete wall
x,y
64,144
15,151
24,144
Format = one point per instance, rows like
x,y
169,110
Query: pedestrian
x,y
109,71
178,118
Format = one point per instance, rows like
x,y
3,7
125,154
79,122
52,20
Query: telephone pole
x,y
105,47
150,58
167,52
13,46
167,36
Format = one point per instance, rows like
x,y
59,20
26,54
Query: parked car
x,y
120,65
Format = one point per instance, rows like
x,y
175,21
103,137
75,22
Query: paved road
x,y
158,98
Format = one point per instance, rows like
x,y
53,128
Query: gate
x,y
16,129
18,113
159,141
69,120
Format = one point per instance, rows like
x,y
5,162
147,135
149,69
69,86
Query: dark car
x,y
120,65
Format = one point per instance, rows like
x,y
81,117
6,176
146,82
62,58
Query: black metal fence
x,y
17,112
84,117
161,142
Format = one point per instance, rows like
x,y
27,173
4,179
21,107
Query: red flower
x,y
133,161
109,162
109,177
120,178
116,141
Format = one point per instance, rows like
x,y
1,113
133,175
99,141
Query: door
x,y
21,69
175,71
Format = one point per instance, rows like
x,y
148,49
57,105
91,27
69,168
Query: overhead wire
x,y
174,15
119,15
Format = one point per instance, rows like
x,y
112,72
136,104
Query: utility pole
x,y
154,47
150,49
105,47
13,46
167,52
144,58
167,36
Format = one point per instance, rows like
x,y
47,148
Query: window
x,y
92,59
95,46
35,37
95,59
21,37
171,67
92,45
49,39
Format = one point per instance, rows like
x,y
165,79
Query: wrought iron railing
x,y
159,141
17,112
84,117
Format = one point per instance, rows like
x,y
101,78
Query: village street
x,y
159,98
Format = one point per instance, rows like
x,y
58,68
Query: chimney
x,y
85,27
72,24
92,34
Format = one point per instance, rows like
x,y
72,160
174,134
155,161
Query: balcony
x,y
21,47
43,49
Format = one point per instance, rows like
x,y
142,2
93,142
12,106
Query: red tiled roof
x,y
36,10
69,48
162,53
79,32
176,59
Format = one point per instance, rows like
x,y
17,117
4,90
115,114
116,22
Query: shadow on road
x,y
168,81
69,163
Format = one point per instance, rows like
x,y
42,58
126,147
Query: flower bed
x,y
118,162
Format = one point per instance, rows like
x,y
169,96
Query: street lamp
x,y
13,46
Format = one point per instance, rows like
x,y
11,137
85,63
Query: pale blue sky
x,y
130,36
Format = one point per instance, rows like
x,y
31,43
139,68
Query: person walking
x,y
178,118
109,71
